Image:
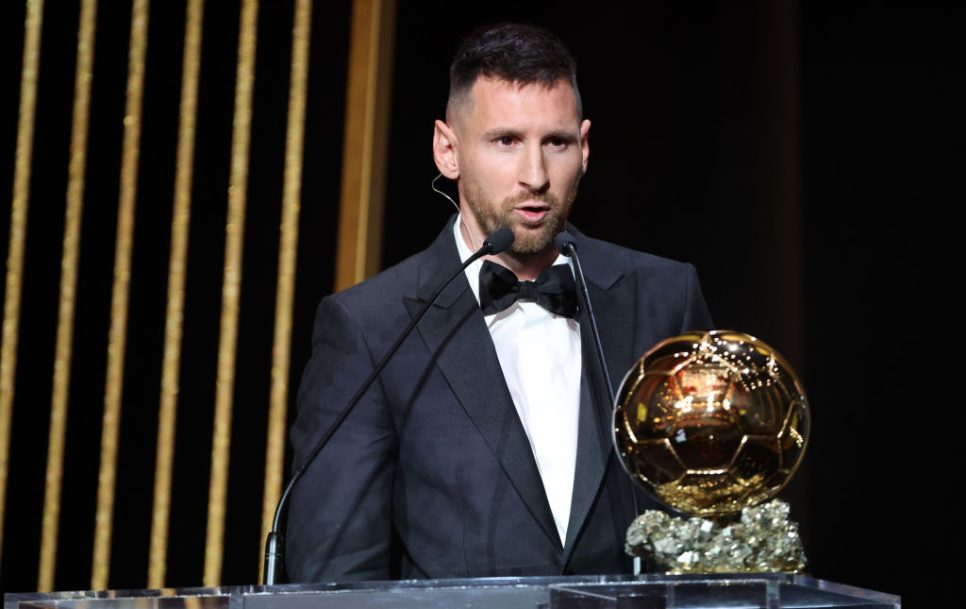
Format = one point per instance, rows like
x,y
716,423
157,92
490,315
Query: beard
x,y
529,239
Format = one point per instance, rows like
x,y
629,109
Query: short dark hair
x,y
517,53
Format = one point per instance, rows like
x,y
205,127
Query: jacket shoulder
x,y
392,279
627,259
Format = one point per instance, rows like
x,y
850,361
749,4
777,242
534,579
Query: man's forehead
x,y
491,96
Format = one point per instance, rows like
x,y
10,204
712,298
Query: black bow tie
x,y
554,289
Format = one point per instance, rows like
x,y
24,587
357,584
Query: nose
x,y
533,170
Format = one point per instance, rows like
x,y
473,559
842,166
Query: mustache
x,y
543,197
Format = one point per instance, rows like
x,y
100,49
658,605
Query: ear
x,y
584,144
445,150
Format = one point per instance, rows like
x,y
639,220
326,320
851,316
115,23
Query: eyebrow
x,y
562,134
493,134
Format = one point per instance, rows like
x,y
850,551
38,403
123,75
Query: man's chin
x,y
533,240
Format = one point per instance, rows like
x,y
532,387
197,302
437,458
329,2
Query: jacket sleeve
x,y
339,522
695,315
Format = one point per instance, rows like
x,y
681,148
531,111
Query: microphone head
x,y
565,244
500,240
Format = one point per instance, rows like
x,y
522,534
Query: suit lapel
x,y
616,321
591,459
456,335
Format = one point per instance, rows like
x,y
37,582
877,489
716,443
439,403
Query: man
x,y
484,448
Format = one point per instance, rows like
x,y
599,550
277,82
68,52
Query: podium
x,y
767,591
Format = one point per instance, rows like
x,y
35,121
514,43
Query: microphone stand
x,y
274,555
568,247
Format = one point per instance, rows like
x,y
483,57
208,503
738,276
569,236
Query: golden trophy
x,y
713,425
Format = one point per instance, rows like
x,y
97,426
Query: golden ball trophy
x,y
713,425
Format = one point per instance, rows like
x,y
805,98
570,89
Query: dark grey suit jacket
x,y
434,459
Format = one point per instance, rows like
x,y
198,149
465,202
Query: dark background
x,y
793,153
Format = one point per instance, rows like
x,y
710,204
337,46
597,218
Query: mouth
x,y
532,212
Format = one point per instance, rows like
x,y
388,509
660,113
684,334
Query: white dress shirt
x,y
539,353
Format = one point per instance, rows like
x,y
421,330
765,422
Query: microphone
x,y
501,239
497,242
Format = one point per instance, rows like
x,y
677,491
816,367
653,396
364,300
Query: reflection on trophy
x,y
713,424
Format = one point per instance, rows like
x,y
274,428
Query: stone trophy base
x,y
762,539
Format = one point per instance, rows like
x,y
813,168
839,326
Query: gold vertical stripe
x,y
119,296
18,233
231,291
180,221
76,168
288,245
366,135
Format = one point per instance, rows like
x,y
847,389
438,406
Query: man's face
x,y
521,153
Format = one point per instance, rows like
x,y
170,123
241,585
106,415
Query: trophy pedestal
x,y
762,540
765,590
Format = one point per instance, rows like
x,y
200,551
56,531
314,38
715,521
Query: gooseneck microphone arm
x,y
568,247
494,244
